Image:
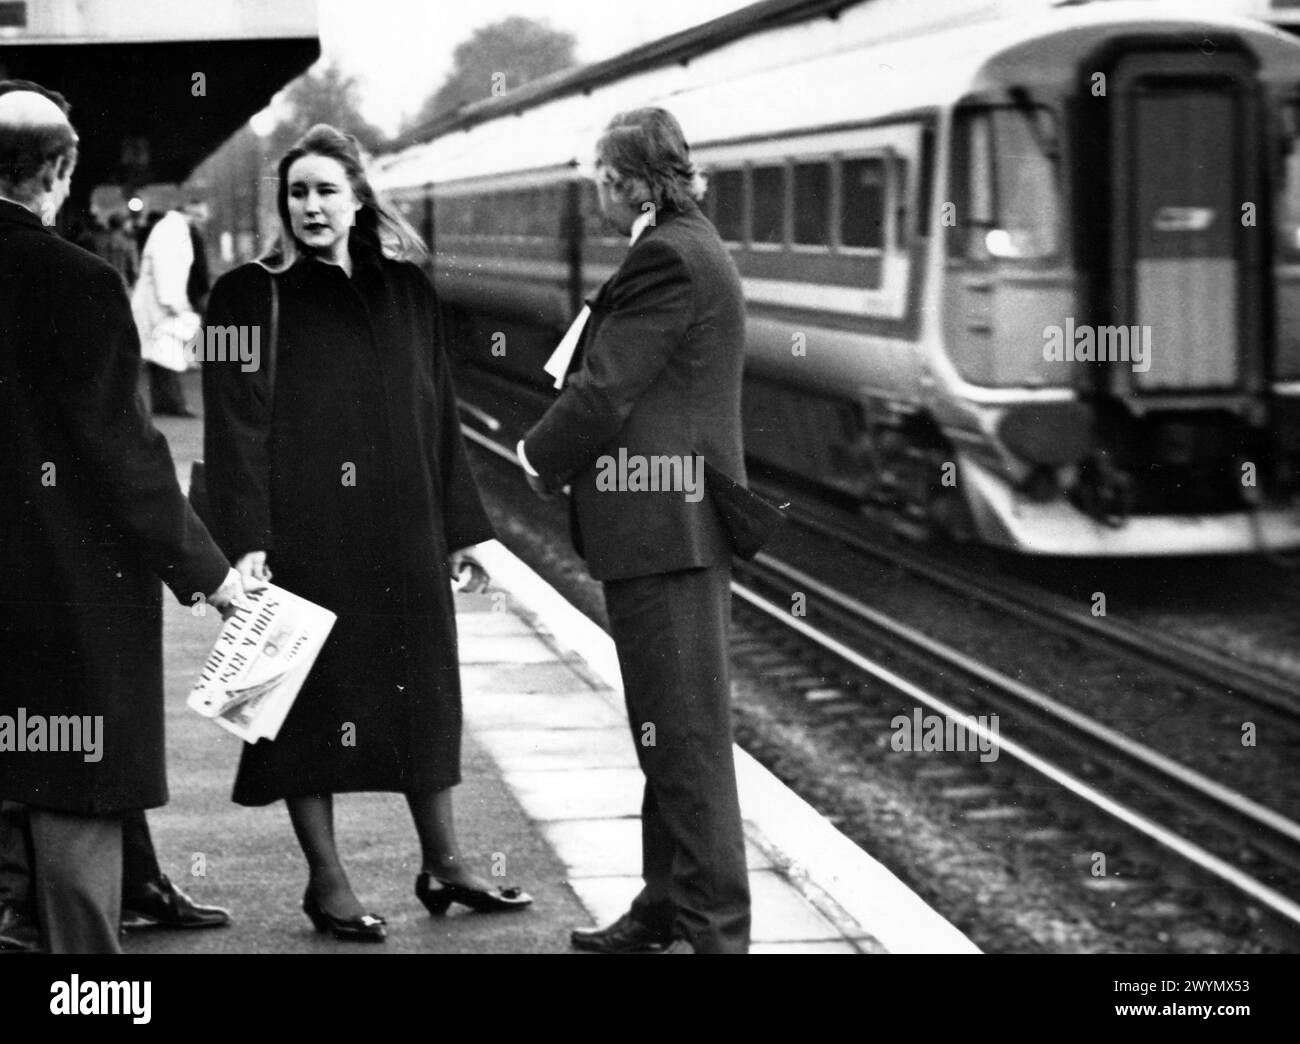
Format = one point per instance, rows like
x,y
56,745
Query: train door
x,y
1173,228
1185,258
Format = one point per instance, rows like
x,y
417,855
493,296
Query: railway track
x,y
1175,658
1047,738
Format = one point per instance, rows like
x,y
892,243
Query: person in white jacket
x,y
163,311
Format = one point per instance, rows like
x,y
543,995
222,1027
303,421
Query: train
x,y
1016,272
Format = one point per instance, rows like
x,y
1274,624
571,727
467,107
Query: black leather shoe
x,y
626,935
18,932
437,895
160,904
366,928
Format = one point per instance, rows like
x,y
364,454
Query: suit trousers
x,y
670,630
78,879
139,859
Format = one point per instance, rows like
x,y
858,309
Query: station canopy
x,y
155,85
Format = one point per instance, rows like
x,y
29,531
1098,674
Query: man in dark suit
x,y
653,392
91,516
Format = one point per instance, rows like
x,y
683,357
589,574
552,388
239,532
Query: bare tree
x,y
324,94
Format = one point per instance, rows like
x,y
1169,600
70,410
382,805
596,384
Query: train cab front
x,y
1168,313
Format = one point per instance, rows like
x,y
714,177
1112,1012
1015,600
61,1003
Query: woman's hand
x,y
253,571
467,573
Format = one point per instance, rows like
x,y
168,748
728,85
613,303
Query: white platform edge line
x,y
777,819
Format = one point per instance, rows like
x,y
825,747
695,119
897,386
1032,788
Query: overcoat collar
x,y
667,217
15,214
363,256
663,217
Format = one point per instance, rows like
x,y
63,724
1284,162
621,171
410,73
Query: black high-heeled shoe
x,y
437,899
366,928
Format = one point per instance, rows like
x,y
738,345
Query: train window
x,y
1008,192
728,190
979,204
1289,211
464,209
589,205
593,221
546,218
862,203
812,197
521,213
491,214
1028,193
533,215
540,213
451,216
925,174
901,200
550,214
768,217
505,213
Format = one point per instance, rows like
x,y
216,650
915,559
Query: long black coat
x,y
91,516
356,483
658,374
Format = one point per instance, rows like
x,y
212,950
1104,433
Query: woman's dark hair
x,y
377,223
649,144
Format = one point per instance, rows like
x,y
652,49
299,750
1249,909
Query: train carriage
x,y
1019,272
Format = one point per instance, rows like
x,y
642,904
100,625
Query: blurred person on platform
x,y
199,282
92,517
163,307
339,464
119,249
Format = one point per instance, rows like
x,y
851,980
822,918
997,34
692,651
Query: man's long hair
x,y
649,144
377,225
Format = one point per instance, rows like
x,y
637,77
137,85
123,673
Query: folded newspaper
x,y
259,662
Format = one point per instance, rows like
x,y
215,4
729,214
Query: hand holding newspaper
x,y
259,662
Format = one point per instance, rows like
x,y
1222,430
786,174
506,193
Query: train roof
x,y
767,68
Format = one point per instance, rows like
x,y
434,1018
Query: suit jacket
x,y
91,516
658,375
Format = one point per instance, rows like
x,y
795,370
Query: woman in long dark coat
x,y
346,472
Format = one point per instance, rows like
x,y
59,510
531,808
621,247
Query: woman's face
x,y
322,205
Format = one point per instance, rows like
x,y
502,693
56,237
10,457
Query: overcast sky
x,y
400,50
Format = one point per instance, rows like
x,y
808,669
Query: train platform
x,y
549,801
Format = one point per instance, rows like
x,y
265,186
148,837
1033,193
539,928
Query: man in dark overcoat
x,y
653,392
91,516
